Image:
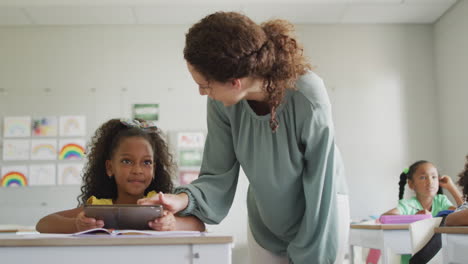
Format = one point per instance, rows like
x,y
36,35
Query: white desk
x,y
388,238
50,249
454,244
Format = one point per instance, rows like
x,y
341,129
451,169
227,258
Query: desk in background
x,y
454,244
50,249
388,238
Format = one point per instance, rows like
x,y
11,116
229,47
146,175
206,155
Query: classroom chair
x,y
421,232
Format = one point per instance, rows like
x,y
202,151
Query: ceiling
x,y
132,12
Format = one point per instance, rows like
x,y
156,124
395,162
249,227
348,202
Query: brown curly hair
x,y
104,144
227,45
463,180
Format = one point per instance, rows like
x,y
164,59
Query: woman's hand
x,y
171,202
83,223
165,223
446,182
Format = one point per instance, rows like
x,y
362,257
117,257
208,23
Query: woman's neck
x,y
254,89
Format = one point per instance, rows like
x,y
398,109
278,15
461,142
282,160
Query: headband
x,y
135,123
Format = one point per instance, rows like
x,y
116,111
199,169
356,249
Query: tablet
x,y
124,216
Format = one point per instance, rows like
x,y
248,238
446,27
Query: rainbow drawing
x,y
14,178
43,148
71,151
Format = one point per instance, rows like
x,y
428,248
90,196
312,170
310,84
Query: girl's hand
x,y
165,223
171,202
83,223
424,211
445,182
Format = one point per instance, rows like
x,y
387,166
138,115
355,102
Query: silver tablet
x,y
124,216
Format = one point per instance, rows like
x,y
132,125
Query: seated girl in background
x,y
423,177
460,216
128,160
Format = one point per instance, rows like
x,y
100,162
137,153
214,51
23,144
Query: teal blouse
x,y
294,174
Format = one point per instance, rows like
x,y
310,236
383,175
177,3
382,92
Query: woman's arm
x,y
68,221
457,219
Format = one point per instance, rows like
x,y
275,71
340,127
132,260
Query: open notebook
x,y
115,232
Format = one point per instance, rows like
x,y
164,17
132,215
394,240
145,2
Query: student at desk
x,y
460,216
128,160
423,177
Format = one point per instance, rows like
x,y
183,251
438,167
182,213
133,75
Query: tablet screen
x,y
122,216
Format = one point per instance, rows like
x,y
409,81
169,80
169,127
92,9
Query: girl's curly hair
x,y
103,145
227,45
463,179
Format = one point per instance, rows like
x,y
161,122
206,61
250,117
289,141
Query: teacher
x,y
269,113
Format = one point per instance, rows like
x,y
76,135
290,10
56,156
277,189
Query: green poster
x,y
190,157
149,112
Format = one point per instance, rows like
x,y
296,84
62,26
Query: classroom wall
x,y
451,64
380,79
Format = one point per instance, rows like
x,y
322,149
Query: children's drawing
x,y
71,149
44,126
72,126
14,176
16,149
43,149
17,126
70,174
42,174
187,176
190,140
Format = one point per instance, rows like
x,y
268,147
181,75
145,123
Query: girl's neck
x,y
127,199
425,201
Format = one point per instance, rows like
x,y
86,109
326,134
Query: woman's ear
x,y
109,168
236,83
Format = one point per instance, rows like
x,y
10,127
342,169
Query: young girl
x,y
269,113
423,177
460,216
128,160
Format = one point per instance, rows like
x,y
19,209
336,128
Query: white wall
x,y
451,60
380,80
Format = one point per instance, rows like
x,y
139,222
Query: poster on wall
x,y
16,149
70,173
17,126
190,157
72,126
190,140
14,176
43,149
187,176
71,149
44,126
149,112
42,174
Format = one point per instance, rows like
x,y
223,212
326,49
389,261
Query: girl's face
x,y
132,166
425,180
229,93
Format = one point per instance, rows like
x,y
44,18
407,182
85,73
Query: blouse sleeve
x,y
317,238
212,194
